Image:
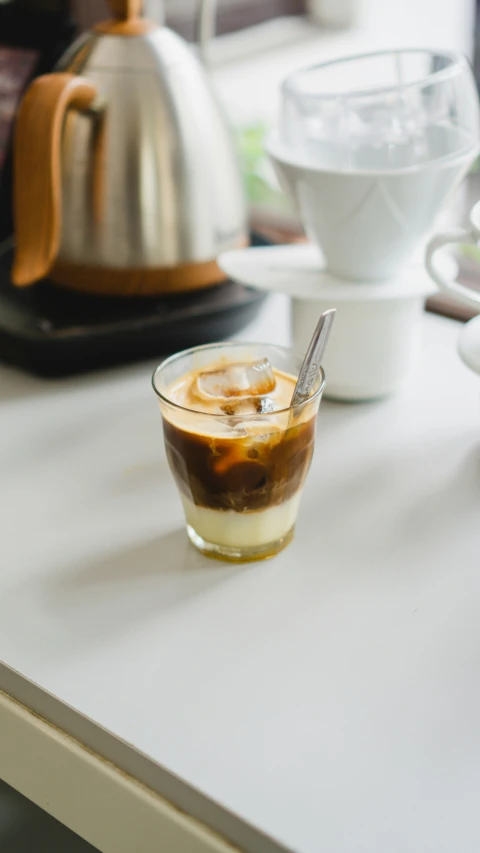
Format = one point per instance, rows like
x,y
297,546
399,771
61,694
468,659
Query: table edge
x,y
103,746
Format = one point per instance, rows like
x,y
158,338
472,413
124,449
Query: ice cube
x,y
249,379
242,407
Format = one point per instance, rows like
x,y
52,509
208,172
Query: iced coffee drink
x,y
237,450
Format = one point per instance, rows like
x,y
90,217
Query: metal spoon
x,y
313,359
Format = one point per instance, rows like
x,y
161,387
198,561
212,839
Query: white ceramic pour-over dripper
x,y
370,163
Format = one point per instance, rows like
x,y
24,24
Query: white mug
x,y
456,235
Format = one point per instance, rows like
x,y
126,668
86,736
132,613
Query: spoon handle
x,y
313,359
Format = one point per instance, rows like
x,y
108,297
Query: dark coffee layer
x,y
246,473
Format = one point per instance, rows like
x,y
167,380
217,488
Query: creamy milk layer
x,y
247,529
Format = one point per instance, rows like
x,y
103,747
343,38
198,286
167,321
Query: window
x,y
181,15
231,14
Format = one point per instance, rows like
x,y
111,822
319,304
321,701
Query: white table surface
x,y
329,697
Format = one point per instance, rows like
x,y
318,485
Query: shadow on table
x,y
127,587
157,558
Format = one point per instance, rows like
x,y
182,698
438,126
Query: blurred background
x,y
254,45
258,42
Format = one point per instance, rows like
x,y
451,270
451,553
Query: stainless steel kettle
x,y
126,179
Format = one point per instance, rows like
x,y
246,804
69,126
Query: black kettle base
x,y
53,332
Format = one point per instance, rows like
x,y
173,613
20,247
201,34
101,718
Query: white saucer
x,y
469,344
296,270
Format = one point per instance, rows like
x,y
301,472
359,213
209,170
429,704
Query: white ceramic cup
x,y
367,224
457,235
372,346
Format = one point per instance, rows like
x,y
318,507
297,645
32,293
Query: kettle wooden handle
x,y
37,167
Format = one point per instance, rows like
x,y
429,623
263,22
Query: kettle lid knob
x,y
127,19
125,10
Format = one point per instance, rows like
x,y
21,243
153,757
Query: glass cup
x,y
240,477
384,111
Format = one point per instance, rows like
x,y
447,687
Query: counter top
x,y
326,700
